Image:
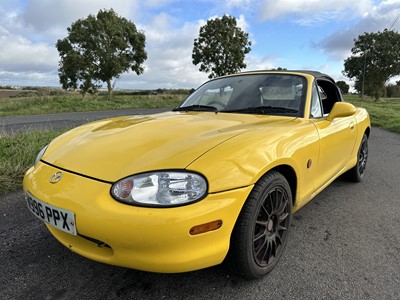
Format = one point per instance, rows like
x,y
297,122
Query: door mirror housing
x,y
340,110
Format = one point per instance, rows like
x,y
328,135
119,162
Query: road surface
x,y
345,244
14,124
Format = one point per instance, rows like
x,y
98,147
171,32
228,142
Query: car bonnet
x,y
112,149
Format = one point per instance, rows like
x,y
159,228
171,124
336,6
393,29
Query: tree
x,y
344,87
98,49
375,59
221,47
393,90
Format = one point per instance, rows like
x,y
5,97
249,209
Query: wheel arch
x,y
367,131
289,173
233,258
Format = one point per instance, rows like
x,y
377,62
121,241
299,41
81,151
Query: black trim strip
x,y
76,173
99,243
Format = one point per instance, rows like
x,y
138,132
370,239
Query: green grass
x,y
73,103
384,113
18,153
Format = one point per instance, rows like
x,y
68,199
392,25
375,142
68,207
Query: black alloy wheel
x,y
271,227
261,230
362,156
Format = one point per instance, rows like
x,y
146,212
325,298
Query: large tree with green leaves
x,y
374,60
99,49
343,86
221,47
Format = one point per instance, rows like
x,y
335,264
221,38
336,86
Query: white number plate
x,y
57,217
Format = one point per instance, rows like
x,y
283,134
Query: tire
x,y
260,233
356,173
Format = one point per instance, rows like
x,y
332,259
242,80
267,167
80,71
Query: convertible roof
x,y
316,74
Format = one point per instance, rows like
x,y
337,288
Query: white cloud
x,y
394,80
268,62
230,4
31,30
22,55
169,49
168,43
311,11
242,23
52,18
158,3
28,78
338,44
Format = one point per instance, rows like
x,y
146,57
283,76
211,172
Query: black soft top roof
x,y
316,74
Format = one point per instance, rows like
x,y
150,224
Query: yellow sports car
x,y
223,172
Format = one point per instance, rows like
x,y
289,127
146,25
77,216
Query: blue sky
x,y
294,34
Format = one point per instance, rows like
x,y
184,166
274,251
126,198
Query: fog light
x,y
205,227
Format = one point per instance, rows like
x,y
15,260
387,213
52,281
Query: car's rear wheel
x,y
356,173
261,230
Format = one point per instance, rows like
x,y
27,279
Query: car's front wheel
x,y
261,230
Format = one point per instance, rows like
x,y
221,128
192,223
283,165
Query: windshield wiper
x,y
263,110
196,107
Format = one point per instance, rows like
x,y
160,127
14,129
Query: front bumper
x,y
149,239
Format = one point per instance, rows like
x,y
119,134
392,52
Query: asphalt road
x,y
345,244
14,124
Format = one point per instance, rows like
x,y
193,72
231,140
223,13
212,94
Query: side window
x,y
329,95
218,95
316,109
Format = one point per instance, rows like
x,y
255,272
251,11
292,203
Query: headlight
x,y
39,156
161,189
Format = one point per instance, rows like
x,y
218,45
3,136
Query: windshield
x,y
275,94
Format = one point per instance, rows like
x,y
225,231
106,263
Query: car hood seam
x,y
76,173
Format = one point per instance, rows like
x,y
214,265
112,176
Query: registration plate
x,y
57,217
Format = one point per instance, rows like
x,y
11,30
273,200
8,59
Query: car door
x,y
336,137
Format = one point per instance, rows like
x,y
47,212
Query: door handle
x,y
351,125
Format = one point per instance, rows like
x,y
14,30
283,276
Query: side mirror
x,y
340,110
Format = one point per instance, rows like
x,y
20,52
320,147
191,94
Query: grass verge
x,y
74,103
384,113
18,153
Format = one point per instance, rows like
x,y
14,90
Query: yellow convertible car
x,y
221,173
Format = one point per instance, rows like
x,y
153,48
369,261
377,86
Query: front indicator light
x,y
160,189
205,227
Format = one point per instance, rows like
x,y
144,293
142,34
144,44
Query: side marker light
x,y
214,225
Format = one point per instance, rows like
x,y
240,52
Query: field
x,y
384,113
8,93
66,102
17,153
